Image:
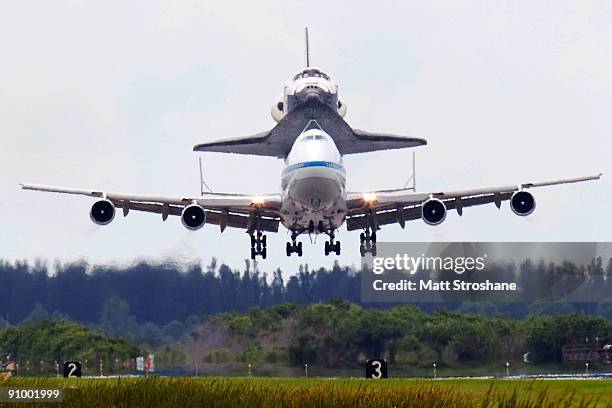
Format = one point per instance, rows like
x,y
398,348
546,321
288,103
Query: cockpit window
x,y
311,73
310,138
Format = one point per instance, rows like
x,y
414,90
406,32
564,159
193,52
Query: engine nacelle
x,y
102,212
522,203
193,217
433,211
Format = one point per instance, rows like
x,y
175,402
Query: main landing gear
x,y
331,246
368,236
294,247
368,242
258,244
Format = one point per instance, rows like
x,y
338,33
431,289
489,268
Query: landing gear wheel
x,y
258,244
368,242
330,247
294,247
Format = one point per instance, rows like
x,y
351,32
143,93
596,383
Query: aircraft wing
x,y
401,205
258,145
369,142
223,209
278,141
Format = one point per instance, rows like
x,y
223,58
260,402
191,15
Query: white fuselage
x,y
313,183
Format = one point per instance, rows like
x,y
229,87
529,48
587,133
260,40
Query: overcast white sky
x,y
113,95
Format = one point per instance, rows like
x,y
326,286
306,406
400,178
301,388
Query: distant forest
x,y
216,315
162,293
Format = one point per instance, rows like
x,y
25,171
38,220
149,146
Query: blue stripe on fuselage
x,y
296,166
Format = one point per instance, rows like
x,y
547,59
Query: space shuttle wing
x,y
369,142
257,144
224,209
278,141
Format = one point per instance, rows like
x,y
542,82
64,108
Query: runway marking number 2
x,y
72,369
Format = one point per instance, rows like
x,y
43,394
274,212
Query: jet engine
x,y
102,212
193,217
522,203
433,211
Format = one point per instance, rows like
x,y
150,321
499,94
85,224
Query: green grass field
x,y
314,392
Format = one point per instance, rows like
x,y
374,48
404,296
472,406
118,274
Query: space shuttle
x,y
310,95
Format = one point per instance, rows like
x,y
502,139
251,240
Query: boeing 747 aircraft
x,y
311,136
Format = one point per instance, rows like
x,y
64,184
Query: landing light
x,y
258,201
369,197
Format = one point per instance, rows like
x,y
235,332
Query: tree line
x,y
338,334
42,347
166,293
343,334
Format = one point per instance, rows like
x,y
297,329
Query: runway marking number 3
x,y
376,364
376,369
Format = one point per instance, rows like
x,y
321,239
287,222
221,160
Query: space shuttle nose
x,y
311,95
313,98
